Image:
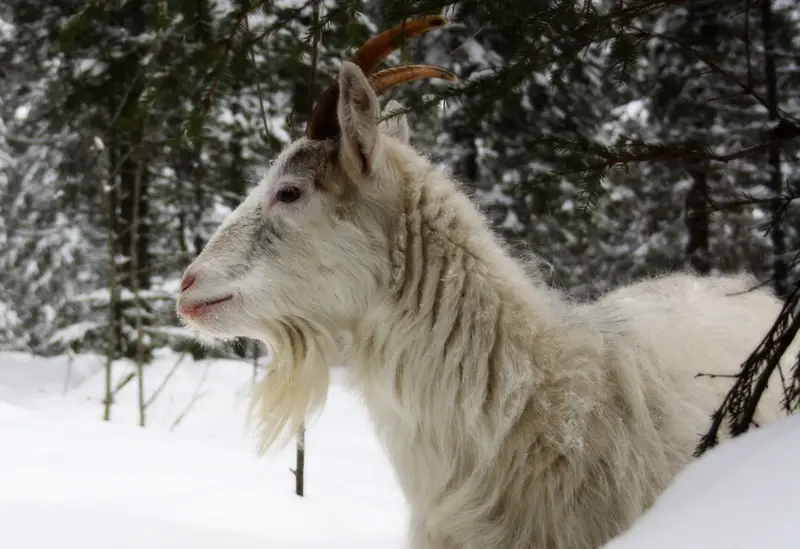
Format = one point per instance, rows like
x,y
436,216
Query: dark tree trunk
x,y
698,254
133,217
300,463
469,164
236,182
126,136
115,306
779,266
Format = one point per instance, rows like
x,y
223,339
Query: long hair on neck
x,y
296,385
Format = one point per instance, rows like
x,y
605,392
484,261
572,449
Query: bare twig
x,y
747,54
196,396
70,362
258,83
123,382
784,132
134,255
226,52
113,288
164,382
740,403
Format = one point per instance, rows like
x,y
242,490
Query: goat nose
x,y
187,281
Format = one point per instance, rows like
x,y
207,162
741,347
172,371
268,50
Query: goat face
x,y
309,243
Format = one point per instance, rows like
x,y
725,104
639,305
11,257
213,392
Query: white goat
x,y
514,418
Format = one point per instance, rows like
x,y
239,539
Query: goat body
x,y
514,418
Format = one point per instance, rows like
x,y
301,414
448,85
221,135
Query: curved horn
x,y
379,47
387,79
322,123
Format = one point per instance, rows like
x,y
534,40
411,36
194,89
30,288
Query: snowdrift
x,y
743,494
70,481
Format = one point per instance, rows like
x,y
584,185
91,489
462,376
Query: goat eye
x,y
287,195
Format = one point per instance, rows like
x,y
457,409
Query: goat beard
x,y
297,383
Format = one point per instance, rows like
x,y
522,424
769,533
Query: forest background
x,y
607,140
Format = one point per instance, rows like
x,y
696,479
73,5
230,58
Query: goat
x,y
514,418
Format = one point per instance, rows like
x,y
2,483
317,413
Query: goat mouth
x,y
198,309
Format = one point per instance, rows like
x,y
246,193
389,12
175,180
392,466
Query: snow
x,y
8,318
741,495
76,331
6,29
188,480
22,112
494,196
191,479
512,222
478,55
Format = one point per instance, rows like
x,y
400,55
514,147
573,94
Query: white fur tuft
x,y
297,383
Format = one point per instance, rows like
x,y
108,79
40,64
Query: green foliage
x,y
578,125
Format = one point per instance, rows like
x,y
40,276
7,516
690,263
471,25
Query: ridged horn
x,y
322,123
387,79
379,47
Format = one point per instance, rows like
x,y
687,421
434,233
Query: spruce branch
x,y
741,402
226,51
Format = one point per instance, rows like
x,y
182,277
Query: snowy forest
x,y
607,140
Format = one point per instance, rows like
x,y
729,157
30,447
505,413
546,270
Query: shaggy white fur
x,y
514,418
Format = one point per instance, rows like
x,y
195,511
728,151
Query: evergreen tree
x,y
614,139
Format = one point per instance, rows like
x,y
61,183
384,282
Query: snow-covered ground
x,y
69,480
191,479
744,494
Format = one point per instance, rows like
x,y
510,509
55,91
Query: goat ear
x,y
396,126
358,119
